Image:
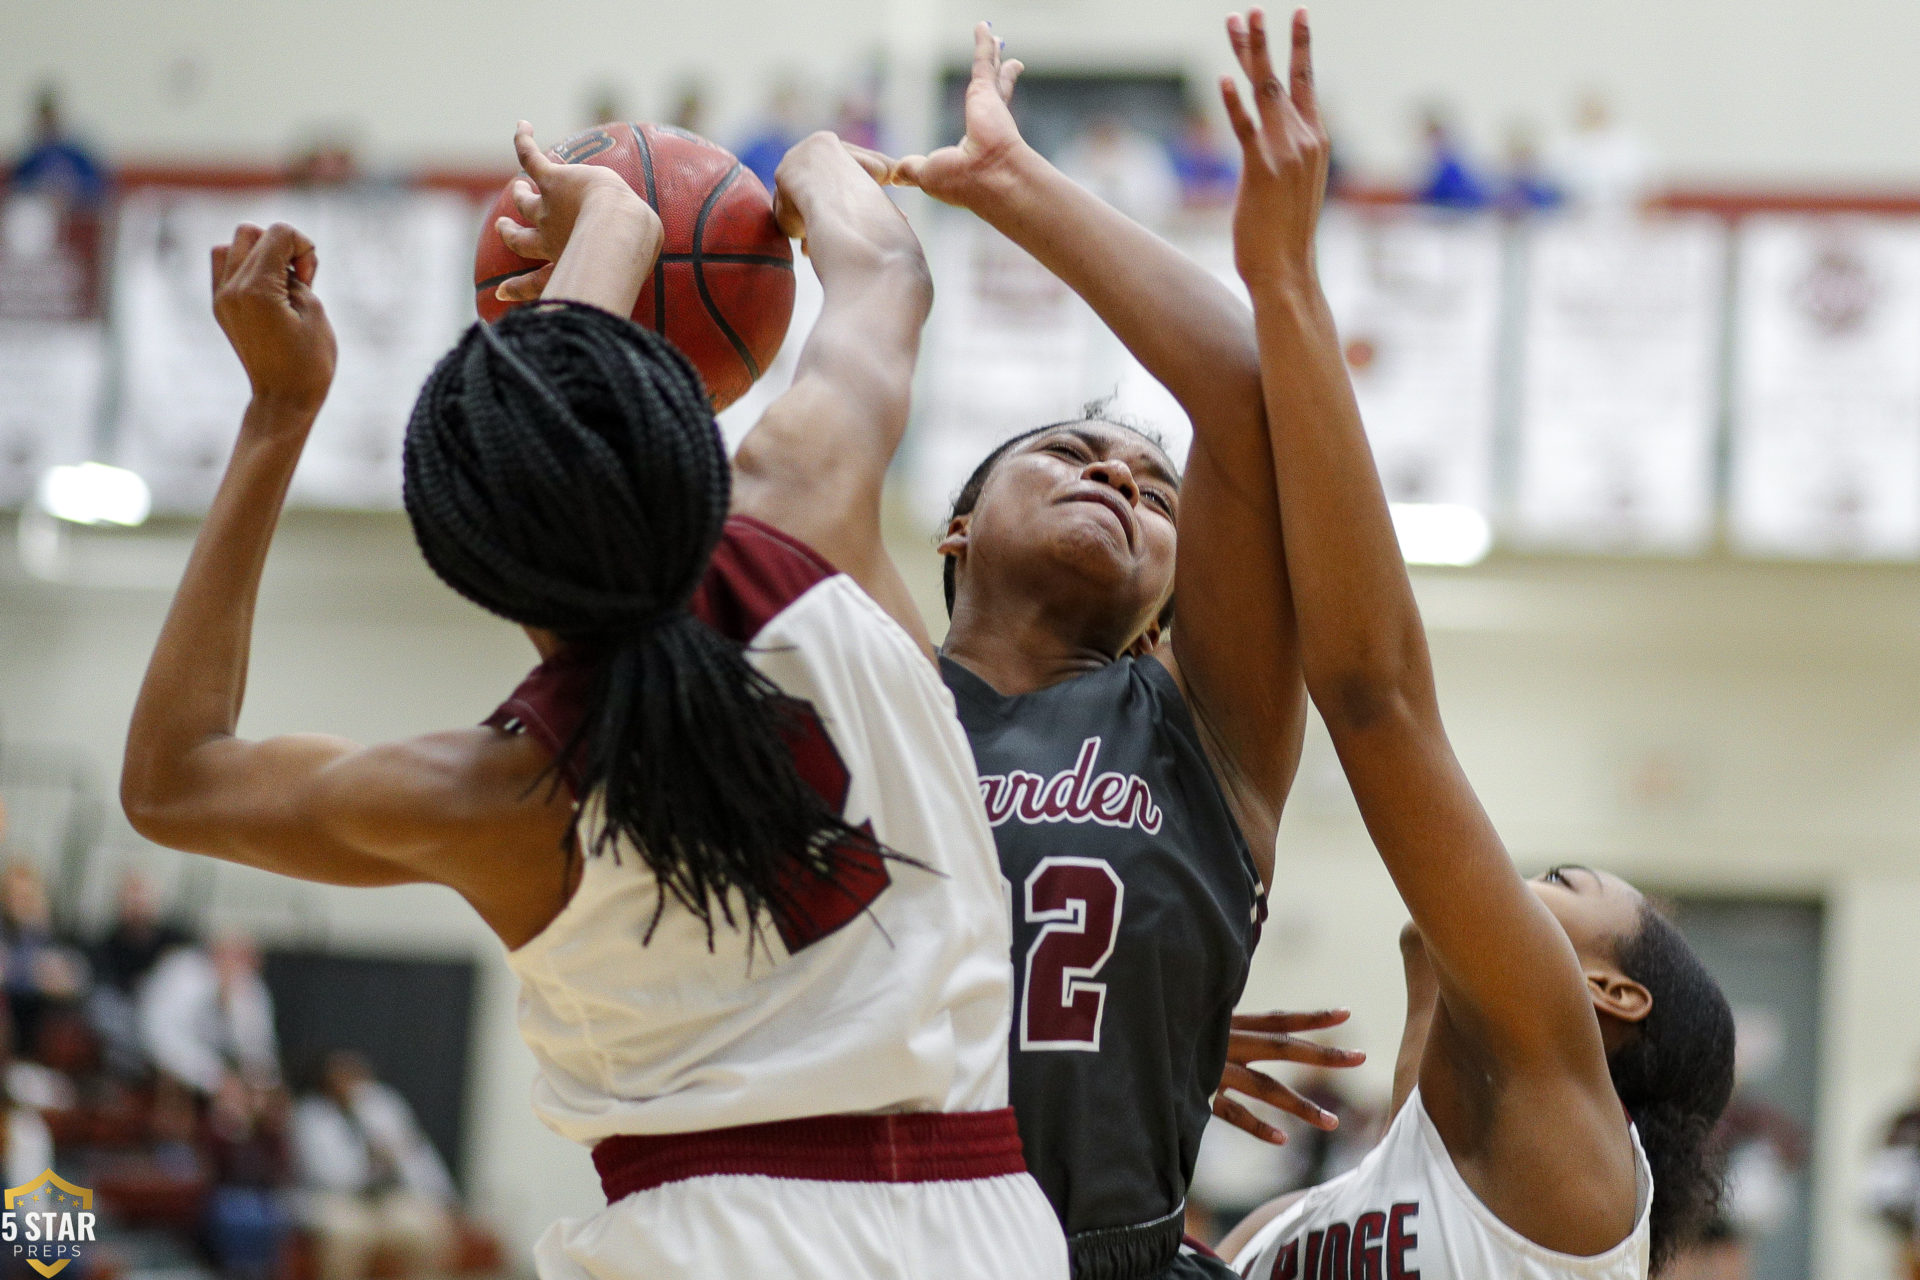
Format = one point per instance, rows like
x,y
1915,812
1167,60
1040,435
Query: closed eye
x,y
1161,500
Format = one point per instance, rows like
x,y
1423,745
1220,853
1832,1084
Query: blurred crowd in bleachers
x,y
1596,162
142,1062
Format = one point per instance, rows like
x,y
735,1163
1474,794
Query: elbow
x,y
145,809
154,809
1354,702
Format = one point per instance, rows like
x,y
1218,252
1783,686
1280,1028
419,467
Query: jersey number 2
x,y
1076,902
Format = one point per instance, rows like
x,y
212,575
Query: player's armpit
x,y
478,810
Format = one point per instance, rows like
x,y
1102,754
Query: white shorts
x,y
732,1226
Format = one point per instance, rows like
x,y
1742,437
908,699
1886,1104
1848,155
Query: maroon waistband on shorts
x,y
914,1147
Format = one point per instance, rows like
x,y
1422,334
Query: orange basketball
x,y
723,289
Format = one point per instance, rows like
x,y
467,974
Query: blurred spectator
x,y
1525,186
206,1015
604,106
122,959
327,161
1764,1147
1893,1183
1604,167
1124,167
857,120
27,1143
43,973
55,163
372,1180
1450,181
139,936
1204,165
689,109
248,1217
770,140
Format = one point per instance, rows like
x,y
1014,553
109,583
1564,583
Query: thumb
x,y
907,170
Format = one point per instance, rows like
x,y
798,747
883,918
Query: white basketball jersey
x,y
1405,1212
893,996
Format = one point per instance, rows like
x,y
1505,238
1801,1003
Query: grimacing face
x,y
1084,513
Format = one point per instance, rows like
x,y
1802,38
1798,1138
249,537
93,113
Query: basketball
x,y
723,290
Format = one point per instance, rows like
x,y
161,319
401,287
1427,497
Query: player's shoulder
x,y
757,572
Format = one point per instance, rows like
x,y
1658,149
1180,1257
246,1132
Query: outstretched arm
x,y
184,769
814,464
1233,644
459,808
1507,973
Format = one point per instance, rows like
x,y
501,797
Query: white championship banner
x,y
1826,404
1007,347
1417,299
1619,385
395,278
52,376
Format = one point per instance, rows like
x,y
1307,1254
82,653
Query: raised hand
x,y
1273,1037
264,301
1283,148
549,198
962,173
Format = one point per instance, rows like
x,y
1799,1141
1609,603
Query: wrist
x,y
1004,180
1291,283
622,217
285,407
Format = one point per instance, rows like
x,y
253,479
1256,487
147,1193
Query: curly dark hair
x,y
1675,1077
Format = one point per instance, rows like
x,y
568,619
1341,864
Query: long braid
x,y
563,470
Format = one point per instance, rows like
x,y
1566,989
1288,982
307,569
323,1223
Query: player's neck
x,y
1017,651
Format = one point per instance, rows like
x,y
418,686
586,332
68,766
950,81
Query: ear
x,y
955,541
1617,996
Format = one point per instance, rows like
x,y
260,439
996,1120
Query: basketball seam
x,y
653,202
700,276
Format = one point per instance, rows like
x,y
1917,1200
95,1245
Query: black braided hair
x,y
1675,1077
969,496
563,470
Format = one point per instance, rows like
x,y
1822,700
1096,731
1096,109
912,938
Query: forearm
x,y
197,678
1361,639
876,286
1183,325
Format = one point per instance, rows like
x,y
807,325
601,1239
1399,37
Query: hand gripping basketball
x,y
722,286
549,199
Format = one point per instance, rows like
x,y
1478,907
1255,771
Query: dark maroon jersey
x,y
1136,906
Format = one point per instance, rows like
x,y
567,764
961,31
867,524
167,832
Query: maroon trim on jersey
x,y
755,573
916,1147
